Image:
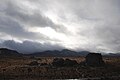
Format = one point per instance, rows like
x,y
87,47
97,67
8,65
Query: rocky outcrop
x,y
59,62
94,59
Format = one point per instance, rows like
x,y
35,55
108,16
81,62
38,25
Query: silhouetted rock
x,y
33,63
58,62
69,62
94,59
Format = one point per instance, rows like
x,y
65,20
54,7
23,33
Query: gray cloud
x,y
14,19
11,27
32,19
104,15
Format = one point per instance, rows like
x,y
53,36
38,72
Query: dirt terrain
x,y
19,69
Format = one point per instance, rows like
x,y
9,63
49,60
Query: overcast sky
x,y
38,25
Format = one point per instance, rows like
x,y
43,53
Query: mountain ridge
x,y
50,53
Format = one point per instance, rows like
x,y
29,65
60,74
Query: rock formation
x,y
94,59
59,62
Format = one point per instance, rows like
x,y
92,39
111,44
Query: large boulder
x,y
94,59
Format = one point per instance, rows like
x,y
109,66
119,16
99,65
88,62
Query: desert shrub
x,y
39,59
29,70
33,63
58,62
32,57
43,64
69,62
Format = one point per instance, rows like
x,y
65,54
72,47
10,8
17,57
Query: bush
x,y
69,62
33,63
58,62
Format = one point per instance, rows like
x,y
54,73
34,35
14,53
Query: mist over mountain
x,y
38,49
29,46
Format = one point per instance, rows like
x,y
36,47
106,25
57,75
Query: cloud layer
x,y
91,25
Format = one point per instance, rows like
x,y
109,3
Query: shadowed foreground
x,y
20,69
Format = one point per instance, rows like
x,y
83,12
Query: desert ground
x,y
18,68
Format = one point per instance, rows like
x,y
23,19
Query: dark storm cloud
x,y
11,27
35,19
29,46
14,20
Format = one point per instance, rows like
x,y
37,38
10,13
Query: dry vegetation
x,y
18,69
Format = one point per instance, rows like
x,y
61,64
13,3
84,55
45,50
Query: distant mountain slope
x,y
63,53
113,54
49,53
7,52
4,52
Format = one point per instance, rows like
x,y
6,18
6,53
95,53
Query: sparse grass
x,y
17,68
